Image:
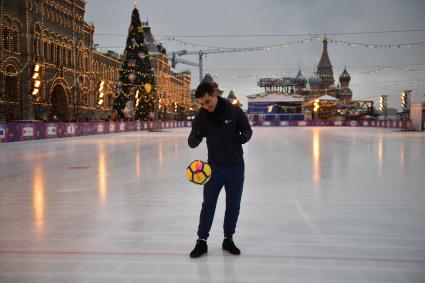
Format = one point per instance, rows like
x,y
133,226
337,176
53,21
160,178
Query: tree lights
x,y
136,74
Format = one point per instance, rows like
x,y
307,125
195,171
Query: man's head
x,y
206,96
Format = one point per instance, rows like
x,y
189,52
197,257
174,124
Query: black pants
x,y
232,178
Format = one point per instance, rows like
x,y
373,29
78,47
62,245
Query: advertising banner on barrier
x,y
121,126
13,132
100,128
112,127
51,130
26,132
71,129
3,133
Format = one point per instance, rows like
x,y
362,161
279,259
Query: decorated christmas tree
x,y
136,85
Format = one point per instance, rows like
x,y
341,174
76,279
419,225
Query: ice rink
x,y
319,205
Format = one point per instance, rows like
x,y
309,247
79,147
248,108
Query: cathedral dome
x,y
314,79
300,80
345,76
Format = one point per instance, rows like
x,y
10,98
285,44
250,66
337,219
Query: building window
x,y
6,39
52,52
15,41
46,50
69,56
58,54
37,49
11,88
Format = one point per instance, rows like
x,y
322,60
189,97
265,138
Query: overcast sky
x,y
283,19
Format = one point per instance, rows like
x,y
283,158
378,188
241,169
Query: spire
x,y
324,59
324,69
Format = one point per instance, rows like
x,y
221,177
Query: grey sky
x,y
284,17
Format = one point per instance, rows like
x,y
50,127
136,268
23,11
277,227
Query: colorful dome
x,y
345,76
314,79
300,80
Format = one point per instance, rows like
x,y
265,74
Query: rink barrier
x,y
401,124
37,130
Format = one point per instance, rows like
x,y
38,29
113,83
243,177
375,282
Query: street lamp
x,y
101,93
405,100
316,107
37,80
383,105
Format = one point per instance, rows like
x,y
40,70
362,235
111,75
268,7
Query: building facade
x,y
46,45
293,98
173,93
321,82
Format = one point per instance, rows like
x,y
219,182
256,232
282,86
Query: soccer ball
x,y
198,172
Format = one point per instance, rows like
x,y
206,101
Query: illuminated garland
x,y
243,49
285,45
298,42
372,45
385,69
288,73
391,85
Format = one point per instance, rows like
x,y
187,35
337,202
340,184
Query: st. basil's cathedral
x,y
322,81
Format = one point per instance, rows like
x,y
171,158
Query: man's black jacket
x,y
225,129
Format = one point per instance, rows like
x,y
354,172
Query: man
x,y
225,128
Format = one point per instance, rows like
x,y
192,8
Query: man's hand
x,y
202,129
240,139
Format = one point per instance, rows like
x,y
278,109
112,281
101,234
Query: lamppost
x,y
316,108
405,100
383,105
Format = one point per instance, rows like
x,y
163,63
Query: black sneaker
x,y
200,249
229,245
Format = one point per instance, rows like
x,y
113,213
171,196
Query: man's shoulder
x,y
236,108
202,113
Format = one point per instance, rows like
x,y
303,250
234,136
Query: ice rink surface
x,y
319,205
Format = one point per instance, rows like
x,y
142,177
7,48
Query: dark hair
x,y
204,88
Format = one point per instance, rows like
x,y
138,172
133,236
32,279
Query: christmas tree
x,y
136,85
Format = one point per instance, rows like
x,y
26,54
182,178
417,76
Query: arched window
x,y
110,100
63,55
69,56
86,62
81,60
11,85
58,53
6,39
15,41
35,49
52,52
46,50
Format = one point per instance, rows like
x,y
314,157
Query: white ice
x,y
319,205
